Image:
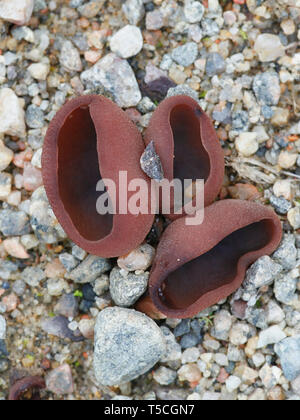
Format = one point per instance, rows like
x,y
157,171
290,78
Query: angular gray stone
x,y
127,345
2,328
134,10
271,335
262,273
117,77
215,64
70,58
60,380
14,223
33,276
173,349
288,350
285,288
151,163
91,268
266,87
286,254
280,204
186,54
126,290
68,261
183,90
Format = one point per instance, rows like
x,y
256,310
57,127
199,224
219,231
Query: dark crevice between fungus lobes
x,y
197,266
79,173
187,144
89,139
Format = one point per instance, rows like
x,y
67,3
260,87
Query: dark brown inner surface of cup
x,y
214,269
79,174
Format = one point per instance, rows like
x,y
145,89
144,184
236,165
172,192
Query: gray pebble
x,y
6,269
183,90
14,223
19,287
182,328
91,268
215,64
285,289
262,273
68,261
78,252
186,54
126,290
280,204
288,350
189,340
33,276
286,254
35,117
115,75
134,11
127,344
266,87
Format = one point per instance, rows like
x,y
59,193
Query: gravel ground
x,y
241,60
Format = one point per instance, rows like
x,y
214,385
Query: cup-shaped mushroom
x,y
91,142
187,144
198,266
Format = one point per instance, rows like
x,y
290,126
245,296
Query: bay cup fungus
x,y
187,144
90,139
197,266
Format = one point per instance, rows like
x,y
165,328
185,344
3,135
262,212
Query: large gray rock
x,y
115,75
288,350
127,344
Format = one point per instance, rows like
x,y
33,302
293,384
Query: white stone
x,y
16,11
70,57
232,383
247,144
138,259
190,355
287,160
2,328
6,156
127,42
272,335
193,11
294,217
5,185
274,313
39,71
268,47
12,116
283,188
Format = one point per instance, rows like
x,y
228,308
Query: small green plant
x,y
78,293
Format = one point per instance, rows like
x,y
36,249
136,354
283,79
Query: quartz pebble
x,y
127,42
266,87
139,259
6,156
294,217
12,117
16,11
2,328
268,47
127,344
215,64
164,375
39,71
154,20
246,144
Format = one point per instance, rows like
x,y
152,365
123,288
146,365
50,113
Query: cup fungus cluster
x,y
91,138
